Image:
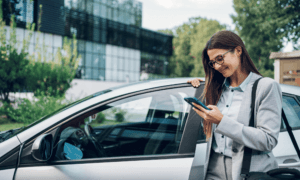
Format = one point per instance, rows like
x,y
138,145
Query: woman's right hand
x,y
195,82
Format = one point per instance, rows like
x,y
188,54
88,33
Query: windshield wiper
x,y
8,134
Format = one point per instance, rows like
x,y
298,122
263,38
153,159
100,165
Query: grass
x,y
4,127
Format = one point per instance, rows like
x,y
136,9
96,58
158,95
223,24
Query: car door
x,y
285,152
197,170
144,135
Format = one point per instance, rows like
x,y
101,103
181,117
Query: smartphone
x,y
191,100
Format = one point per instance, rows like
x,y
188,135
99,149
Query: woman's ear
x,y
238,51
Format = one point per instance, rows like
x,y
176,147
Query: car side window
x,y
145,124
291,109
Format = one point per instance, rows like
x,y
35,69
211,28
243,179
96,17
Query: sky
x,y
167,14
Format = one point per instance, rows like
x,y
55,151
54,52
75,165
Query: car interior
x,y
159,133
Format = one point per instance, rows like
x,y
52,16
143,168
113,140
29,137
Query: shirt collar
x,y
242,86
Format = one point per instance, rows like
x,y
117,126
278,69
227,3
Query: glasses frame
x,y
212,63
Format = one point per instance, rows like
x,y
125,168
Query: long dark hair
x,y
213,79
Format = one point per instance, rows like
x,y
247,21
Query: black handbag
x,y
274,174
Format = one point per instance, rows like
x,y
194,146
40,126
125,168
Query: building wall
x,y
277,70
113,46
122,64
111,42
50,42
290,71
124,11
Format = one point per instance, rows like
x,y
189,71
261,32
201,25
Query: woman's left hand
x,y
214,115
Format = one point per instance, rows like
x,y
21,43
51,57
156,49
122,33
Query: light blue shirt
x,y
229,105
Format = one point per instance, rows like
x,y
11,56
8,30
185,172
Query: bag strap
x,y
248,151
289,130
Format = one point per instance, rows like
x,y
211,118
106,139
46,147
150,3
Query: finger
x,y
200,80
200,107
199,112
196,83
211,107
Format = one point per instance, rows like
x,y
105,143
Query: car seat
x,y
166,130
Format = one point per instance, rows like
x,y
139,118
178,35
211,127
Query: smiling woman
x,y
229,77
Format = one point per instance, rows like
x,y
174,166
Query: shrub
x,y
120,115
100,118
53,78
29,111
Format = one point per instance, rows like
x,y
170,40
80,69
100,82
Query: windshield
x,y
4,135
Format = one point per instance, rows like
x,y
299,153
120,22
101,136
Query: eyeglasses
x,y
219,59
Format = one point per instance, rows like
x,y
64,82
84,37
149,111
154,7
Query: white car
x,y
138,131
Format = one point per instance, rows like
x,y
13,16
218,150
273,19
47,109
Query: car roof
x,y
142,85
290,89
115,92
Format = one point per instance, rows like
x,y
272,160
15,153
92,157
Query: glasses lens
x,y
219,59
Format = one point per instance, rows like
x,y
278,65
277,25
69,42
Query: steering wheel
x,y
100,150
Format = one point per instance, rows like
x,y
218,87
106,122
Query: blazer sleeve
x,y
264,136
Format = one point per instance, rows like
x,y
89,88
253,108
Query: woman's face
x,y
231,64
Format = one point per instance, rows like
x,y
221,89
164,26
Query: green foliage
x,y
29,111
53,78
13,64
13,72
188,43
119,117
100,118
267,73
8,126
258,30
39,72
119,114
263,24
46,75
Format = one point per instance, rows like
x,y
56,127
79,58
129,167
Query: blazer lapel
x,y
245,109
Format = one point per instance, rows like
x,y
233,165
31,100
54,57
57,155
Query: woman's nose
x,y
217,66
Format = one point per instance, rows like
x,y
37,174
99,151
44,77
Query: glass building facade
x,y
112,44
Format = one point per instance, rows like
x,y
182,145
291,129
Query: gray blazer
x,y
263,138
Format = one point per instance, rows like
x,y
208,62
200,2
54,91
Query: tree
x,y
39,72
13,64
188,43
13,72
262,24
202,33
53,77
287,14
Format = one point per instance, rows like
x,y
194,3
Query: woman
x,y
229,77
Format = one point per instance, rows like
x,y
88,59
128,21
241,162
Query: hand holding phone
x,y
192,100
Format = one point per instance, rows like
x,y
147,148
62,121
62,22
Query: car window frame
x,y
110,159
295,97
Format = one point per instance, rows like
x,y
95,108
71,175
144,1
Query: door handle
x,y
295,164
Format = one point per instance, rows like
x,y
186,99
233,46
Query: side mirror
x,y
42,147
